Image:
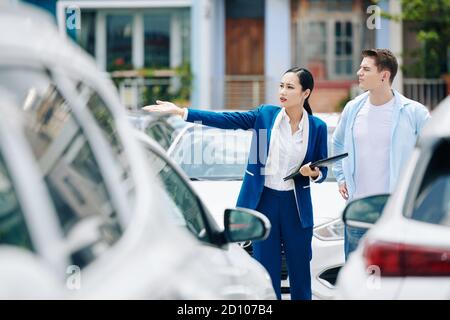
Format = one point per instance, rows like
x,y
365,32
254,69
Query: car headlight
x,y
330,231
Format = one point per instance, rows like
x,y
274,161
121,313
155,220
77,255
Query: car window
x,y
213,154
171,132
216,154
432,204
177,123
13,227
106,122
184,205
157,132
69,168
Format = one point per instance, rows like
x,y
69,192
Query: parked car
x,y
162,128
242,277
215,161
80,215
405,254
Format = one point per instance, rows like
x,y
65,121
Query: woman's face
x,y
291,93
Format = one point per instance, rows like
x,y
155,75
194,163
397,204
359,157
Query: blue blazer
x,y
261,121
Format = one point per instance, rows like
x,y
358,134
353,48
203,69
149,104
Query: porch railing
x,y
244,91
137,92
429,92
137,88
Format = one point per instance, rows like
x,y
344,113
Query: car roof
x,y
439,124
142,116
33,32
331,119
142,113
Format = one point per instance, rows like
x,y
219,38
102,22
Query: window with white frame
x,y
166,37
157,38
314,53
343,48
86,38
119,41
328,39
330,48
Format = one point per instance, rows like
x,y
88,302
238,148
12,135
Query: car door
x,y
28,269
14,230
181,277
227,261
71,172
160,132
139,255
78,170
427,213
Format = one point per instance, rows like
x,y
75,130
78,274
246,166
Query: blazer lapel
x,y
305,136
308,135
275,121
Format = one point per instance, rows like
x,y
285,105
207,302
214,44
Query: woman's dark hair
x,y
306,81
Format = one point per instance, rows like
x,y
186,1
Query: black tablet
x,y
327,161
319,163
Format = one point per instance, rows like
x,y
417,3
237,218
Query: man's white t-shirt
x,y
372,133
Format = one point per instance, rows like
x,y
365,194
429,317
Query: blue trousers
x,y
281,209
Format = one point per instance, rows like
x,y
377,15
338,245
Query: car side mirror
x,y
365,212
243,224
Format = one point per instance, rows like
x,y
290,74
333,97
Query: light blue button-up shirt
x,y
408,119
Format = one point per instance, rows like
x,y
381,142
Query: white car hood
x,y
220,195
327,202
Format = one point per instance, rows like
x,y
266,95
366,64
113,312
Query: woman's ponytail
x,y
307,107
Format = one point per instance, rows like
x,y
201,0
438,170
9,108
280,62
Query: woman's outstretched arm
x,y
222,120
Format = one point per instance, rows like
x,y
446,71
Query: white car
x,y
215,161
406,254
80,214
161,128
242,277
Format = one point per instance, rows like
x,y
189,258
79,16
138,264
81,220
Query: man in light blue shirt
x,y
378,129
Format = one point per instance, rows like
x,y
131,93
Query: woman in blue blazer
x,y
284,139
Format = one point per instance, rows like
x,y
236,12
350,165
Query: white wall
x,y
201,52
277,55
218,59
390,36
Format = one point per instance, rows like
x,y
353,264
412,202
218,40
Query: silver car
x,y
80,214
215,161
405,253
242,276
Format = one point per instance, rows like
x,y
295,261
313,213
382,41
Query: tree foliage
x,y
431,21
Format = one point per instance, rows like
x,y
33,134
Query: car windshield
x,y
163,129
206,153
213,154
432,204
13,227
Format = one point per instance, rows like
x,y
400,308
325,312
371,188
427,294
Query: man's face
x,y
368,75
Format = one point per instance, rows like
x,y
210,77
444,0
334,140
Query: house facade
x,y
236,50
